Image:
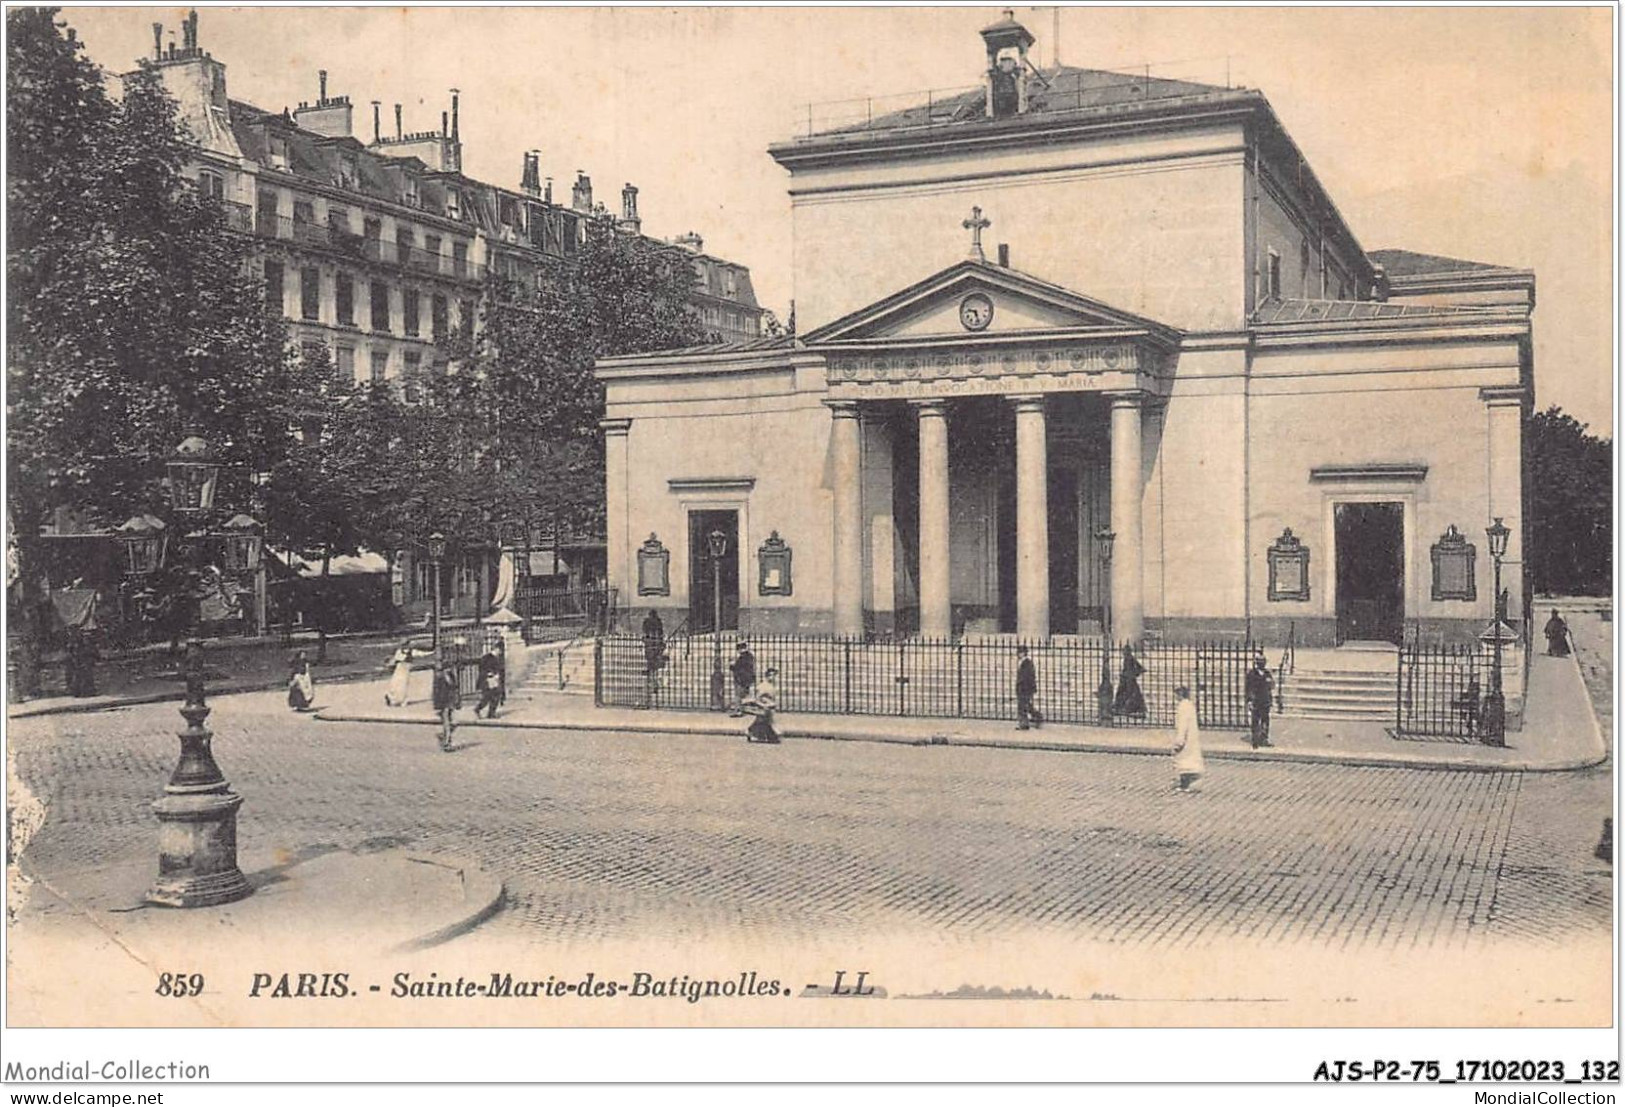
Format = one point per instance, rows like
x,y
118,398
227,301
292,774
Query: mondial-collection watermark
x,y
84,1072
1543,1099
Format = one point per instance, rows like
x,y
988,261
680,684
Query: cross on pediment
x,y
974,225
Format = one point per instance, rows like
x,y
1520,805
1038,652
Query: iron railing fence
x,y
1079,680
1440,690
555,615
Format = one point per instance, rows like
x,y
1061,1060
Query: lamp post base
x,y
197,851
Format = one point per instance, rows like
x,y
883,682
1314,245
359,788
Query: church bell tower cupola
x,y
1007,43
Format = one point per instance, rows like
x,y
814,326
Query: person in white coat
x,y
1187,741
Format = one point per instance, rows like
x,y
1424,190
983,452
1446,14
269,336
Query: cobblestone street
x,y
615,836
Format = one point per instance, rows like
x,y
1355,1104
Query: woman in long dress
x,y
301,685
1187,742
1129,700
395,694
763,703
1557,636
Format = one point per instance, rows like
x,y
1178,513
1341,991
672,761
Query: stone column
x,y
846,471
1032,518
617,524
936,610
1128,553
1505,408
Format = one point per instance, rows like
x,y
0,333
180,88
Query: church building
x,y
1081,353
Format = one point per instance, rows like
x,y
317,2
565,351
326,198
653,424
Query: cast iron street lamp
x,y
437,550
197,814
719,546
1103,694
1495,704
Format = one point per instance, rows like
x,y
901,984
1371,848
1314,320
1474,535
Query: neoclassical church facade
x,y
1081,353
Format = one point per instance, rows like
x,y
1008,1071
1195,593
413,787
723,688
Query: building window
x,y
372,227
273,287
465,318
338,219
304,211
404,241
380,306
265,218
567,234
438,320
313,350
380,365
211,186
344,299
459,259
310,293
454,203
431,246
1272,277
344,365
409,313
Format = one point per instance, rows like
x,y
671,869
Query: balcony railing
x,y
305,233
239,217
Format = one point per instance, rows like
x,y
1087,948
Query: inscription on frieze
x,y
989,365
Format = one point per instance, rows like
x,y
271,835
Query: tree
x,y
1569,505
133,314
511,436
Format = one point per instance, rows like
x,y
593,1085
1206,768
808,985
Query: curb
x,y
481,891
483,896
1361,760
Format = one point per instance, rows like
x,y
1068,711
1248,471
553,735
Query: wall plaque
x,y
1289,568
1454,560
654,568
773,559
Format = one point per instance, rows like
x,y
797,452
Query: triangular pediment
x,y
978,299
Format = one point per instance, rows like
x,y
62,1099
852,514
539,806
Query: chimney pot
x,y
321,77
397,122
157,42
454,114
1004,255
377,128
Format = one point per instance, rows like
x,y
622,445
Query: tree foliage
x,y
132,313
1569,505
509,441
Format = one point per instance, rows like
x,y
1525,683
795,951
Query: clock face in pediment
x,y
975,312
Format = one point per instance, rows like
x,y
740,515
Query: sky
x,y
1479,133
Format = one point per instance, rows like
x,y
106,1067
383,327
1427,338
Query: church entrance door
x,y
704,571
1370,571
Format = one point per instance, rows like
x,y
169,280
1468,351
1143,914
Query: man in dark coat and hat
x,y
1026,688
1260,689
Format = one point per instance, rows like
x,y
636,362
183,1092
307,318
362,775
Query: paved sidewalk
x,y
1560,729
151,676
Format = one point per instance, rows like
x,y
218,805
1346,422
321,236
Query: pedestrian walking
x,y
1130,700
401,663
1026,688
1558,640
762,704
1187,742
1468,706
490,683
301,685
654,655
448,697
1260,691
744,674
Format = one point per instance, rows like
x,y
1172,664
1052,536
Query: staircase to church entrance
x,y
1354,683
